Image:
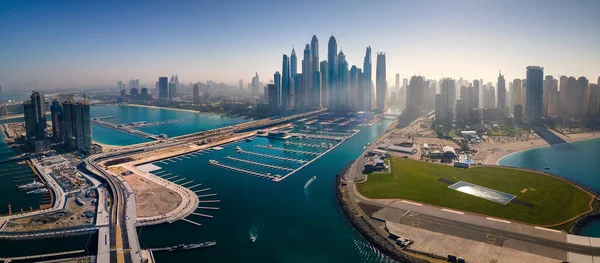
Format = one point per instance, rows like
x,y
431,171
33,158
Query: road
x,y
465,225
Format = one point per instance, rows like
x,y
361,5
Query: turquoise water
x,y
292,224
192,122
577,161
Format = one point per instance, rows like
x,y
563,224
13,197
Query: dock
x,y
288,150
42,255
209,201
197,214
207,207
179,180
273,157
244,171
196,185
259,164
191,222
207,195
201,190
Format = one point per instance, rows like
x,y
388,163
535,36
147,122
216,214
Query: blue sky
x,y
96,43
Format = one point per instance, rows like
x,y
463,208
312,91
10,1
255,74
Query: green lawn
x,y
554,200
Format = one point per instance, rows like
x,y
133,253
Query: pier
x,y
207,195
191,222
272,156
259,164
179,180
207,207
322,137
186,183
287,150
209,201
307,144
197,214
125,129
43,255
173,177
244,171
196,185
201,190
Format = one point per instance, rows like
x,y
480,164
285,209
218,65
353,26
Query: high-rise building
x,y
414,94
381,79
196,94
172,90
518,113
476,94
293,64
439,108
342,82
353,90
255,85
315,91
307,71
332,68
397,87
367,84
297,85
277,82
550,89
241,82
1,91
533,109
35,121
324,84
78,125
314,47
593,101
501,92
144,92
272,98
163,88
460,112
134,92
285,83
516,93
56,115
448,93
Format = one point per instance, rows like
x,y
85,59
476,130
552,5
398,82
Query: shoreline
x,y
167,108
495,158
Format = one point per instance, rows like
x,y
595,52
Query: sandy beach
x,y
491,152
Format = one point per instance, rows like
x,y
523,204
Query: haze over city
x,y
80,45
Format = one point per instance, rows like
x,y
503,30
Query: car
x,y
403,242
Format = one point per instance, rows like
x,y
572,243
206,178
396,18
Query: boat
x,y
312,179
191,246
248,139
547,167
212,162
37,191
252,239
34,184
238,149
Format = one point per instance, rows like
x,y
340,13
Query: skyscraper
x,y
533,110
285,83
277,82
255,85
476,94
548,94
315,91
501,91
353,89
172,90
367,81
314,47
196,94
163,88
332,73
381,88
307,74
78,125
397,87
448,92
342,82
324,84
516,93
293,64
56,115
35,121
414,94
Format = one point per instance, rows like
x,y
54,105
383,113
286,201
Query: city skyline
x,y
50,43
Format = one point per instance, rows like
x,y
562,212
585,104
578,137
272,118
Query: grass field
x,y
554,200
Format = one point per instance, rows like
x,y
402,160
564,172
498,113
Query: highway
x,y
122,240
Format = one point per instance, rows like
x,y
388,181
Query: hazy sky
x,y
93,43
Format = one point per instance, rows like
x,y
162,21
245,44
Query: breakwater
x,y
362,226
